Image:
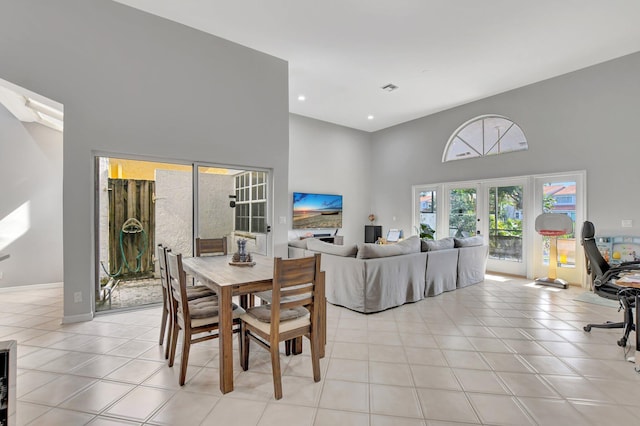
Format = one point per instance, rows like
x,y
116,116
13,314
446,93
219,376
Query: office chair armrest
x,y
615,273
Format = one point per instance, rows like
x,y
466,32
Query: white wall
x,y
326,158
30,176
585,120
133,84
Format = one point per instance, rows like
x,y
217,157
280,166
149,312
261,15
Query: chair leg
x,y
275,366
628,324
186,345
163,321
174,342
315,356
287,347
167,349
244,354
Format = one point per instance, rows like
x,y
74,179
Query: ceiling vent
x,y
390,87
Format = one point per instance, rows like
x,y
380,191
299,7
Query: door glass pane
x,y
505,223
428,210
560,197
462,212
140,204
215,214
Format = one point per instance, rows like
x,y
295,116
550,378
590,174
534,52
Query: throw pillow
x,y
322,247
478,240
441,244
372,251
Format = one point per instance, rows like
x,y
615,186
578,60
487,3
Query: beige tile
x,y
60,417
326,417
26,412
31,380
506,362
390,374
548,365
394,401
552,411
384,353
603,414
237,412
100,366
301,391
465,359
68,363
348,369
56,391
577,388
378,420
284,414
480,381
454,343
185,409
434,377
97,397
446,405
347,396
135,371
205,381
526,384
140,403
499,409
420,356
105,421
350,351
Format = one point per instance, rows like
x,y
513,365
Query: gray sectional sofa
x,y
371,278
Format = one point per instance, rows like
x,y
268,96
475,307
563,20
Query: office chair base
x,y
552,282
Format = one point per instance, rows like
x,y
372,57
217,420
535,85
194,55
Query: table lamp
x,y
553,225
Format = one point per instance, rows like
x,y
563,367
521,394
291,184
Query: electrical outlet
x,y
283,220
77,297
627,223
1,275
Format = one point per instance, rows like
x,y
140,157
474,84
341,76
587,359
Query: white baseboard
x,y
30,287
70,319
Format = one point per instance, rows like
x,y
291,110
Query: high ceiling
x,y
439,53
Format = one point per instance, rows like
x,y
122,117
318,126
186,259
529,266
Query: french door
x,y
494,209
503,211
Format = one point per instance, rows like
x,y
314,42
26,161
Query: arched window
x,y
485,135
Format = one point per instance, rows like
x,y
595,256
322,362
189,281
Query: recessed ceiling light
x,y
302,98
370,117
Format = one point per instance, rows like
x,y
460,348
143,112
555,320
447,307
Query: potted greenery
x,y
426,232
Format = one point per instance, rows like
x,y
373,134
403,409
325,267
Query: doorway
x,y
503,211
142,203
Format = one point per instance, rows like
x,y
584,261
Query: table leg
x,y
225,340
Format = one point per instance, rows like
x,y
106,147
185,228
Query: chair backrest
x,y
597,266
211,246
296,282
161,253
178,287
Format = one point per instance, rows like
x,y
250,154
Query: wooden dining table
x,y
227,281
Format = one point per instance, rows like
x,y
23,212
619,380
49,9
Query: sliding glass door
x,y
140,204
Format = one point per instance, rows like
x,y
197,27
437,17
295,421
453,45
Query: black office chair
x,y
603,276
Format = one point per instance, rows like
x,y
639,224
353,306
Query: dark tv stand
x,y
328,238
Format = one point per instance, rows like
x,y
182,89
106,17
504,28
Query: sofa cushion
x,y
372,251
345,251
441,244
299,243
478,240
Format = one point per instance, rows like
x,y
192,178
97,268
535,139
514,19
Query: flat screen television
x,y
316,211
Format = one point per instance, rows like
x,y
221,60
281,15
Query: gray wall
x,y
31,172
133,84
585,120
326,158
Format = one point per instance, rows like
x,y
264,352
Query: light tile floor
x,y
501,352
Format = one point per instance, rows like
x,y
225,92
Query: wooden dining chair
x,y
197,318
295,310
211,246
193,292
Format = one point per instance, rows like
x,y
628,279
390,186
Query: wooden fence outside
x,y
131,198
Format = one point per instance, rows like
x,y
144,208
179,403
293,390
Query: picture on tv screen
x,y
314,211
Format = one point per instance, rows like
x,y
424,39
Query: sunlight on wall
x,y
14,225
